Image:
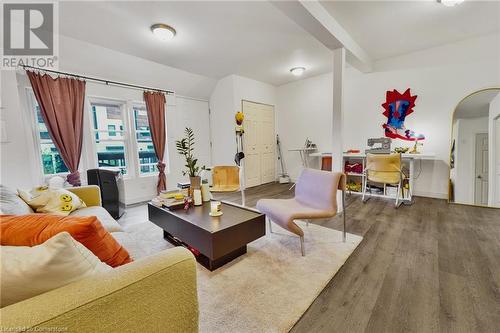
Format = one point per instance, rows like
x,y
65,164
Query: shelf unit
x,y
358,179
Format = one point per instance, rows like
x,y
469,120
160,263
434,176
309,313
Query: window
x,y
145,149
52,162
111,130
109,142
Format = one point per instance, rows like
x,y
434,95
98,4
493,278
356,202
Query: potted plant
x,y
185,147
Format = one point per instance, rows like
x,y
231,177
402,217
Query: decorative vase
x,y
195,184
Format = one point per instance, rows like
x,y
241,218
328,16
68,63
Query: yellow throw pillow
x,y
52,201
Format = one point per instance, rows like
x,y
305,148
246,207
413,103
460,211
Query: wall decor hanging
x,y
396,107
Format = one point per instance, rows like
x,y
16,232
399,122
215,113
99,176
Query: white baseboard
x,y
431,195
138,200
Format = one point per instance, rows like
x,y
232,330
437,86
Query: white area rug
x,y
269,288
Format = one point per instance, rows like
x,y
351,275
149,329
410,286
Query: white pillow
x,y
30,271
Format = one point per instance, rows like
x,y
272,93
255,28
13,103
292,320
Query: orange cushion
x,y
35,229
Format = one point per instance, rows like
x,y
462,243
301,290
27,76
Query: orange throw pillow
x,y
35,229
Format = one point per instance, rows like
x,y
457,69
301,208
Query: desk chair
x,y
225,179
385,169
315,198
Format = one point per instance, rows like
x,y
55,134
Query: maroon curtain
x,y
155,105
61,103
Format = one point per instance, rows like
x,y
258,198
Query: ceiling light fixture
x,y
450,3
163,31
297,71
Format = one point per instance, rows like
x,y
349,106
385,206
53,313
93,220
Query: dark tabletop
x,y
198,215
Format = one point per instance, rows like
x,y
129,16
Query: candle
x,y
197,197
205,192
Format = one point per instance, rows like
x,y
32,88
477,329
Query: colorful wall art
x,y
396,107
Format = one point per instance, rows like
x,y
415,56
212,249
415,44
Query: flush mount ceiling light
x,y
297,71
164,32
450,3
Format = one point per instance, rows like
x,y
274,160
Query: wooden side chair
x,y
384,169
225,179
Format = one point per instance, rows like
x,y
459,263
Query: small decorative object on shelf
x,y
185,147
353,167
401,150
353,151
215,208
414,150
353,186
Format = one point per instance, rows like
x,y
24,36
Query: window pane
x,y
143,136
52,162
147,157
111,154
107,118
141,119
109,136
111,130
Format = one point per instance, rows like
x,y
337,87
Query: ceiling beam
x,y
315,19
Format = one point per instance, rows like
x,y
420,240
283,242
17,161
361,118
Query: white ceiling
x,y
252,39
477,105
389,28
256,40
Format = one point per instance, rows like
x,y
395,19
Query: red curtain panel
x,y
155,105
61,102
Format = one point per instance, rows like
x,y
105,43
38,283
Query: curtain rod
x,y
107,82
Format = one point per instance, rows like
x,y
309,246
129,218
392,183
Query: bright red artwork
x,y
397,106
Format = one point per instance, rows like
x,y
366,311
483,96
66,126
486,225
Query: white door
x,y
481,181
251,146
259,145
267,160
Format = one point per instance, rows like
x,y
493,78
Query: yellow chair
x,y
225,179
385,169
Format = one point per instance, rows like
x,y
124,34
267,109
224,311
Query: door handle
x,y
479,177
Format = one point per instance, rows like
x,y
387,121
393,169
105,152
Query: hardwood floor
x,y
429,267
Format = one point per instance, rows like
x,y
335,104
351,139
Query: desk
x,y
304,154
410,158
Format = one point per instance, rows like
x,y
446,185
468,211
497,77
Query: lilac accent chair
x,y
315,198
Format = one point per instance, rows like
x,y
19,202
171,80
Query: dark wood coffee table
x,y
217,239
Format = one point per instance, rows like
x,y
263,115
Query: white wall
x,y
440,77
15,155
305,111
465,165
17,166
225,101
221,122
